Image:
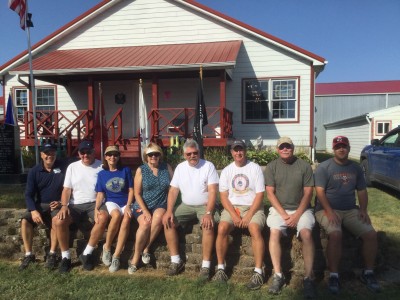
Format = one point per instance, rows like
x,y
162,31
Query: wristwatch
x,y
208,212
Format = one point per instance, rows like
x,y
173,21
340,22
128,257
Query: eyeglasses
x,y
87,151
156,154
284,146
192,153
115,154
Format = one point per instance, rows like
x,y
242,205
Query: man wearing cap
x,y
197,180
336,182
241,188
78,203
289,184
42,195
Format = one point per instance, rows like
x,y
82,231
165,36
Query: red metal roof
x,y
102,4
351,88
218,54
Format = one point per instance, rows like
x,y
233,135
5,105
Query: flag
x,y
9,112
144,133
100,127
19,6
200,118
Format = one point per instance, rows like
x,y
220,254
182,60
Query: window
x,y
270,99
382,128
45,99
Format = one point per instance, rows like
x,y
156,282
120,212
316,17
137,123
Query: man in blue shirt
x,y
43,194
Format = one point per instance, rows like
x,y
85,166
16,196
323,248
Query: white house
x,y
254,84
362,129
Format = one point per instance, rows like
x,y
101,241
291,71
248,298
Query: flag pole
x,y
32,85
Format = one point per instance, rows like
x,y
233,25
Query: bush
x,y
28,157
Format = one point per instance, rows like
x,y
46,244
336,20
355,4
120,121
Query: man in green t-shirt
x,y
289,183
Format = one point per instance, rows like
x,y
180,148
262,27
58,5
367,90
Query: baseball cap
x,y
284,140
48,147
111,149
238,143
85,145
340,140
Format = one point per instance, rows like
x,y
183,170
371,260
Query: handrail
x,y
115,127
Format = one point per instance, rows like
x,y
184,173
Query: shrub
x,y
28,156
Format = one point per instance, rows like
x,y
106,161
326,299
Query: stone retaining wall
x,y
239,259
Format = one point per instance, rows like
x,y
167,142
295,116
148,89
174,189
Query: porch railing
x,y
167,122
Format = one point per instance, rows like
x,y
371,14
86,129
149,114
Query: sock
x,y
221,267
176,259
279,275
88,250
52,252
258,270
206,264
66,254
28,253
332,274
368,272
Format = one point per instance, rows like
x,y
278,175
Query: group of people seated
x,y
106,192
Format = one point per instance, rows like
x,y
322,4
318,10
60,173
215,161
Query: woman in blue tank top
x,y
151,190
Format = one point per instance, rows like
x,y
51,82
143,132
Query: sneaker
x,y
220,276
146,258
204,273
51,261
87,262
175,269
106,257
65,265
333,285
256,281
114,265
131,268
309,288
26,261
277,284
370,281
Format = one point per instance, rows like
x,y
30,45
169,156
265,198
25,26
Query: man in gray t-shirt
x,y
289,183
337,180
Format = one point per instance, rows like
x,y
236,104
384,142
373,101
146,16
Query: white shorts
x,y
112,205
275,221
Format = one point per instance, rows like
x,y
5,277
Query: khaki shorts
x,y
186,213
258,218
349,219
275,220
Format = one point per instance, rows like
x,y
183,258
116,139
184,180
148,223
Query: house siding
x,y
153,22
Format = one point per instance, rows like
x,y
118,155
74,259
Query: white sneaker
x,y
106,257
131,269
146,258
114,265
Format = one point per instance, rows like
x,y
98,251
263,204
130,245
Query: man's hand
x,y
54,205
332,217
245,221
36,217
63,213
207,222
292,220
364,217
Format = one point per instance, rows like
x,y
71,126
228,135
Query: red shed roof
x,y
351,88
215,54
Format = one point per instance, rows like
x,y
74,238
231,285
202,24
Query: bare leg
x,y
113,228
171,235
208,243
275,249
334,251
369,249
308,252
224,228
122,236
142,237
258,245
62,232
53,236
98,229
27,235
156,226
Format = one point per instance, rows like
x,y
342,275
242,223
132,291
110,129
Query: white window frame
x,y
385,127
276,98
42,93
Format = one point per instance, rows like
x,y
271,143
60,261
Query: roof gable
x,y
193,5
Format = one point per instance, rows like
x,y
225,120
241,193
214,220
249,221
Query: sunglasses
x,y
285,146
192,153
87,151
156,154
115,154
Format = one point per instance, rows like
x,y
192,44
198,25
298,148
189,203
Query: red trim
x,y
382,121
222,101
312,109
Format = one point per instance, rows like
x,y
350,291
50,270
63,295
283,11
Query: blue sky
x,y
358,38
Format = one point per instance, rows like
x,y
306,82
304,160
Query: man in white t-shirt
x,y
241,188
197,180
78,202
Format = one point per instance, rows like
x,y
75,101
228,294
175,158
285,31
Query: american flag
x,y
19,6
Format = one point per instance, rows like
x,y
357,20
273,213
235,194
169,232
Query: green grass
x,y
38,283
